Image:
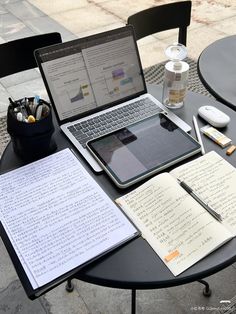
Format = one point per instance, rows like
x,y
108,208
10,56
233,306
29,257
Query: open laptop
x,y
96,85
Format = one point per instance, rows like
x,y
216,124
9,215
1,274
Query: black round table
x,y
217,70
135,265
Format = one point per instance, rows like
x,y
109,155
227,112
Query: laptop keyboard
x,y
113,120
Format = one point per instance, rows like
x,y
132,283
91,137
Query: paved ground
x,y
210,20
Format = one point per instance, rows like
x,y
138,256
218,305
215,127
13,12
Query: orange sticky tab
x,y
172,255
230,150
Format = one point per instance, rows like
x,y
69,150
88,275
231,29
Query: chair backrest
x,y
161,18
18,55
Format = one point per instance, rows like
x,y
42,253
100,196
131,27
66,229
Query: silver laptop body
x,y
96,85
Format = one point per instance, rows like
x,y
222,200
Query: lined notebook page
x,y
178,228
214,179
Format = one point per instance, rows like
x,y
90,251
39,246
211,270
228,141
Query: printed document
x,y
57,217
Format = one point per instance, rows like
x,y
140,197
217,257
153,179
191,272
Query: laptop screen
x,y
89,74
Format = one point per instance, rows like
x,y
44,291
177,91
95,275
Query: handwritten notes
x,y
57,217
214,179
177,227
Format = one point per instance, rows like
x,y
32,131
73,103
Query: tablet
x,y
137,151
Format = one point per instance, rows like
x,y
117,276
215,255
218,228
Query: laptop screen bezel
x,y
41,51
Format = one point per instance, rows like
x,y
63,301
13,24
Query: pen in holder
x,y
29,123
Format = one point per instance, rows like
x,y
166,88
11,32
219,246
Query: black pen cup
x,y
31,141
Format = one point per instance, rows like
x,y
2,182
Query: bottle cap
x,y
177,66
176,52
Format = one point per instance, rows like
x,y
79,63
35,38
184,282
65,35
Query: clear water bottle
x,y
175,77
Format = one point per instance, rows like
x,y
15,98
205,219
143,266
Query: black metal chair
x,y
165,17
161,18
18,55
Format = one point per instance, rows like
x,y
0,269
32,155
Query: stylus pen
x,y
199,200
199,138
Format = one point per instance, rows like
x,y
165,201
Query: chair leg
x,y
133,301
69,285
206,291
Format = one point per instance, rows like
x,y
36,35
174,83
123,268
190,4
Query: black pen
x,y
12,102
199,200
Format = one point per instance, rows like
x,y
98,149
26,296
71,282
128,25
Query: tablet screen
x,y
143,148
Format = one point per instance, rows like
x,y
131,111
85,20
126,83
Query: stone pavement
x,y
211,20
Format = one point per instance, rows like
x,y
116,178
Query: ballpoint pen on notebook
x,y
199,200
199,138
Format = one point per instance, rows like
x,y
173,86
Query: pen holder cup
x,y
31,141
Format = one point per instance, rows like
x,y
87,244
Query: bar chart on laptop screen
x,y
113,69
88,73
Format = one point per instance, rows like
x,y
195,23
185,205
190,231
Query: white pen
x,y
199,138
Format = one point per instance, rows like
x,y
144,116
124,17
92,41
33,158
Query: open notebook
x,y
178,228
